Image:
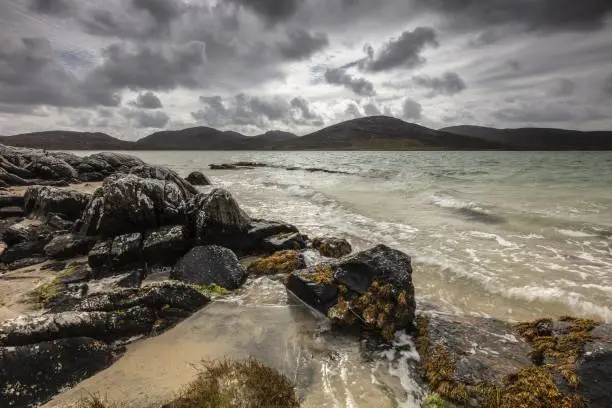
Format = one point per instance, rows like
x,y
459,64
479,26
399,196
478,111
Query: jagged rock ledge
x,y
101,251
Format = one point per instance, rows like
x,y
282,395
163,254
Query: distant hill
x,y
369,133
197,138
66,140
538,138
383,133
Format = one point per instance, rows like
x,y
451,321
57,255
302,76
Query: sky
x,y
133,67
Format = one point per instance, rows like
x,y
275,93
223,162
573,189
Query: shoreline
x,y
147,219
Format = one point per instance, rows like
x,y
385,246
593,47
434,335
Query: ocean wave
x,y
469,209
574,233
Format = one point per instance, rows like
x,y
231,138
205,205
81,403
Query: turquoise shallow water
x,y
506,234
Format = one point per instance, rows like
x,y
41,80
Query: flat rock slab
x,y
34,373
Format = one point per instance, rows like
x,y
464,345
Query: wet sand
x,y
14,288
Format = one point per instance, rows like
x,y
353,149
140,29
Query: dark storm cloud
x,y
450,83
146,119
151,67
53,7
541,15
360,86
301,44
411,109
607,86
109,23
272,11
402,52
31,75
532,111
245,110
147,100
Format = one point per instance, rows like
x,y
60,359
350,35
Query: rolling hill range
x,y
368,133
538,138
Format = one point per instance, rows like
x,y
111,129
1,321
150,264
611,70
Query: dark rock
x,y
107,163
56,222
594,369
216,218
32,374
282,242
332,247
165,245
113,325
371,288
262,229
25,231
72,159
129,203
11,212
207,265
42,200
11,201
458,354
53,266
91,176
68,246
51,168
23,250
25,262
198,179
126,249
224,166
163,173
156,295
100,255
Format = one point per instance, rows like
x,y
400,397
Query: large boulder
x,y
216,218
27,230
126,249
33,373
198,179
129,203
208,265
372,289
68,246
97,167
33,250
42,200
48,167
163,173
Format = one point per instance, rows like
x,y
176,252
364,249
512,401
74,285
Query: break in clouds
x,y
132,67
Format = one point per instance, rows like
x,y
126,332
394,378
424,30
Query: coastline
x,y
148,219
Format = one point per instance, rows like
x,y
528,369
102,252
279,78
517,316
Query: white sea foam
x,y
574,233
494,237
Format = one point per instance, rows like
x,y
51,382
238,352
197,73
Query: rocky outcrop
x,y
67,246
129,203
332,247
163,173
594,368
208,265
33,373
42,200
372,289
97,167
22,167
198,179
27,230
48,167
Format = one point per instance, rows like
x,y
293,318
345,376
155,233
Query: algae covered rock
x,y
282,262
332,247
33,373
372,289
212,264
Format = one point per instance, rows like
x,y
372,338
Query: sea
x,y
509,235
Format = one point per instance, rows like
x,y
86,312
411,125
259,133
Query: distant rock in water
x,y
252,165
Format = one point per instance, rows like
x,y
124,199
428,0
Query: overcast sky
x,y
132,67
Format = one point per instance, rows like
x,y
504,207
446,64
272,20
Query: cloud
x,y
52,7
31,75
360,86
607,86
146,119
402,52
450,83
301,44
540,15
147,100
272,11
563,87
371,109
533,111
143,66
353,111
257,111
163,11
411,109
